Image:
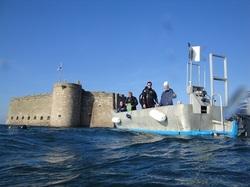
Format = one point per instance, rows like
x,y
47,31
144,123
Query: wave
x,y
111,157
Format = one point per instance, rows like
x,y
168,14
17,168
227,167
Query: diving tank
x,y
66,104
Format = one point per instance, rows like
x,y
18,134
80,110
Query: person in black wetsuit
x,y
141,99
132,101
122,106
148,96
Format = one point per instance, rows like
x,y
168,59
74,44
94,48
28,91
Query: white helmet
x,y
165,84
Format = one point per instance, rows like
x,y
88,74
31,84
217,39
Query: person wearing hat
x,y
167,95
148,97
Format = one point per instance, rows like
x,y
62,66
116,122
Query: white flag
x,y
196,53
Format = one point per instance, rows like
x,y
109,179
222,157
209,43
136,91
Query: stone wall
x,y
68,106
103,107
86,108
30,110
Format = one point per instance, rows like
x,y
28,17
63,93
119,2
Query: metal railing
x,y
214,78
221,109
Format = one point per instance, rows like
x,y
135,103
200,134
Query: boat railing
x,y
216,78
221,109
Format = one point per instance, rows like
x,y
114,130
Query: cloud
x,y
4,65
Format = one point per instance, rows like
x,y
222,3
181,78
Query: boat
x,y
202,116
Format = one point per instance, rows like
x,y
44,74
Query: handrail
x,y
215,78
221,108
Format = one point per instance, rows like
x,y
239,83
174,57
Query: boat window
x,y
17,118
11,117
48,118
34,117
41,118
28,117
22,117
59,115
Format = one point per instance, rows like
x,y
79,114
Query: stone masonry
x,y
67,106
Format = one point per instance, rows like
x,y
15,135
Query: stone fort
x,y
67,106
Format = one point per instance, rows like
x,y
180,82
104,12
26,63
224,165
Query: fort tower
x,y
66,104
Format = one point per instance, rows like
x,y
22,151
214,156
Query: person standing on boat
x,y
167,95
122,106
131,101
149,96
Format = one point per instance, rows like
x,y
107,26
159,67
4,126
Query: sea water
x,y
39,156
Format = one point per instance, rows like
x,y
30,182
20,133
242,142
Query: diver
x,y
122,106
148,96
131,102
167,95
23,127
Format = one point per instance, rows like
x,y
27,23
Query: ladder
x,y
215,78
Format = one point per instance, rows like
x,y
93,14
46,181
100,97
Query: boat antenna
x,y
190,57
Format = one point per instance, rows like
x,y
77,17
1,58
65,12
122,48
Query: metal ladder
x,y
214,78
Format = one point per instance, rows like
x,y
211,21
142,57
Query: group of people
x,y
148,98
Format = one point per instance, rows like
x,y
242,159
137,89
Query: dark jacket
x,y
122,108
133,101
149,97
167,97
141,99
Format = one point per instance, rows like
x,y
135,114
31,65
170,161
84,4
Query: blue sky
x,y
117,45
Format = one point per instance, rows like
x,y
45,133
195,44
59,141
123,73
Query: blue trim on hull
x,y
233,133
235,129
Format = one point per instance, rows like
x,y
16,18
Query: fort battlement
x,y
28,97
67,106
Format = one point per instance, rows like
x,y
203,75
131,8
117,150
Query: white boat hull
x,y
180,120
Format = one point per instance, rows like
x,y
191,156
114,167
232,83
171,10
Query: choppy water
x,y
110,157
